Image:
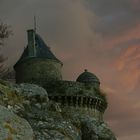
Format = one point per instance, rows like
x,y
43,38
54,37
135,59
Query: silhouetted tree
x,y
5,32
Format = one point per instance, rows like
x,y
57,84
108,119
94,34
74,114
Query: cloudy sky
x,y
102,36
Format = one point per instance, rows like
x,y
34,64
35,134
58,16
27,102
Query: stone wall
x,y
64,88
91,112
38,71
76,96
72,88
90,103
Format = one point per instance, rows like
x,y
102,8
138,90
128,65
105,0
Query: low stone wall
x,y
93,113
79,101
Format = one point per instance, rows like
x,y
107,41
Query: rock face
x,y
30,115
13,127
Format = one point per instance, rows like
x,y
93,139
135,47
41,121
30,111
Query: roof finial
x,y
86,70
35,23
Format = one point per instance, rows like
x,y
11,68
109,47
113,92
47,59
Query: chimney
x,y
31,43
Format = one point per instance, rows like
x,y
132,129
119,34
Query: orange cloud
x,y
129,67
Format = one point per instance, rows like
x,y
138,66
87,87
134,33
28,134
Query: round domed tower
x,y
37,64
89,78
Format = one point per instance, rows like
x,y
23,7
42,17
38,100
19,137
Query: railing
x,y
80,101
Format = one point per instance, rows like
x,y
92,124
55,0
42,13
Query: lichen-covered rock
x,y
95,130
14,94
30,90
13,127
48,123
104,132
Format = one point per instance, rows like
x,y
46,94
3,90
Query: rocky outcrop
x,y
13,127
44,119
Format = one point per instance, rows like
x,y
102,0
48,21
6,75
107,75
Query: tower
x,y
37,64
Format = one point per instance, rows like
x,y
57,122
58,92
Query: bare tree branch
x,y
5,32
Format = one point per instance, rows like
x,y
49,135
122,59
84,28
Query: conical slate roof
x,y
42,51
88,77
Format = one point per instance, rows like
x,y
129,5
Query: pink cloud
x,y
131,34
128,66
135,4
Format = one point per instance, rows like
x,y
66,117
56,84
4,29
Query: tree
x,y
5,32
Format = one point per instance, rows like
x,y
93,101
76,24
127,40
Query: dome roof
x,y
88,77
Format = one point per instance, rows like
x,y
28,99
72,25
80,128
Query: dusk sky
x,y
102,36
